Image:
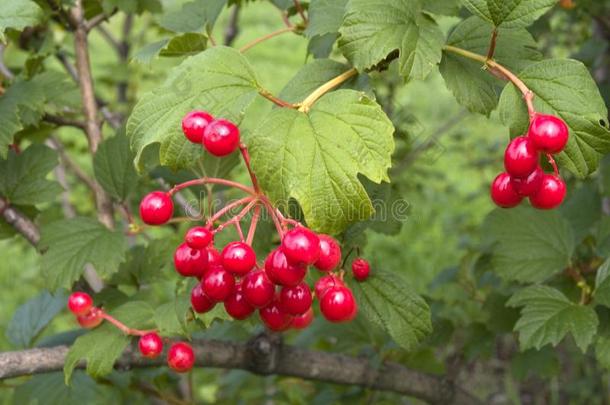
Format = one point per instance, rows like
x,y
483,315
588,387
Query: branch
x,y
20,222
233,28
273,34
62,121
265,355
4,70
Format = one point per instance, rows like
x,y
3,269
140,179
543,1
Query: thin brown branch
x,y
492,44
20,222
299,7
72,165
273,34
63,121
232,29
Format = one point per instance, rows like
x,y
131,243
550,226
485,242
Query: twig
x,y
71,165
232,29
492,44
20,222
64,122
299,7
325,88
257,41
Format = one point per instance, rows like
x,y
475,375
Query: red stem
x,y
210,180
237,217
553,163
229,207
253,224
124,328
244,153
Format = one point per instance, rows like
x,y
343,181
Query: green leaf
x,y
583,210
180,45
113,167
564,88
133,6
72,243
32,317
540,363
387,300
325,17
472,86
220,80
445,7
167,320
602,351
316,157
509,14
530,245
548,316
18,14
602,284
194,16
373,29
23,176
147,264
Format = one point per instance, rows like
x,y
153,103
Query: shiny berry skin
x,y
338,304
503,192
156,208
551,193
274,317
330,253
190,262
214,258
520,157
238,258
180,357
150,345
218,284
194,123
281,271
79,303
258,289
361,269
91,319
302,321
296,300
529,185
301,246
199,301
237,306
325,283
199,237
549,133
221,137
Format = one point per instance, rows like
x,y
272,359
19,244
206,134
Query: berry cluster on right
x,y
524,177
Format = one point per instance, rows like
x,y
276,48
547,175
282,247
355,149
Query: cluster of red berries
x,y
524,177
219,137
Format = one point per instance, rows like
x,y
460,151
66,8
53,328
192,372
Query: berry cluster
x,y
524,177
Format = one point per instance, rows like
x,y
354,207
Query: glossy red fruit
x,y
503,192
258,289
238,258
325,283
199,237
156,208
214,258
194,123
190,262
337,304
361,269
150,345
301,246
79,303
549,133
302,321
281,271
296,300
180,357
551,193
91,319
529,185
237,306
520,157
274,317
221,137
199,301
330,253
218,284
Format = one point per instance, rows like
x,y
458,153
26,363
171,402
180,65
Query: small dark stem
x,y
492,44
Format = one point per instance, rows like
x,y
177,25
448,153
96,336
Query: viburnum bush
x,y
305,189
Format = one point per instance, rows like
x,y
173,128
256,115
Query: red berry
x,y
549,133
79,303
238,258
337,304
218,284
521,157
296,300
258,289
199,301
214,258
503,192
156,208
237,306
551,193
301,246
221,137
150,345
302,321
361,269
180,357
330,253
281,271
190,262
274,317
194,123
91,319
529,185
199,237
325,283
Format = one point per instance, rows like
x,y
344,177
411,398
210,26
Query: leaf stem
x,y
244,153
253,224
124,328
279,102
325,88
553,163
492,44
210,180
299,7
229,207
264,38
